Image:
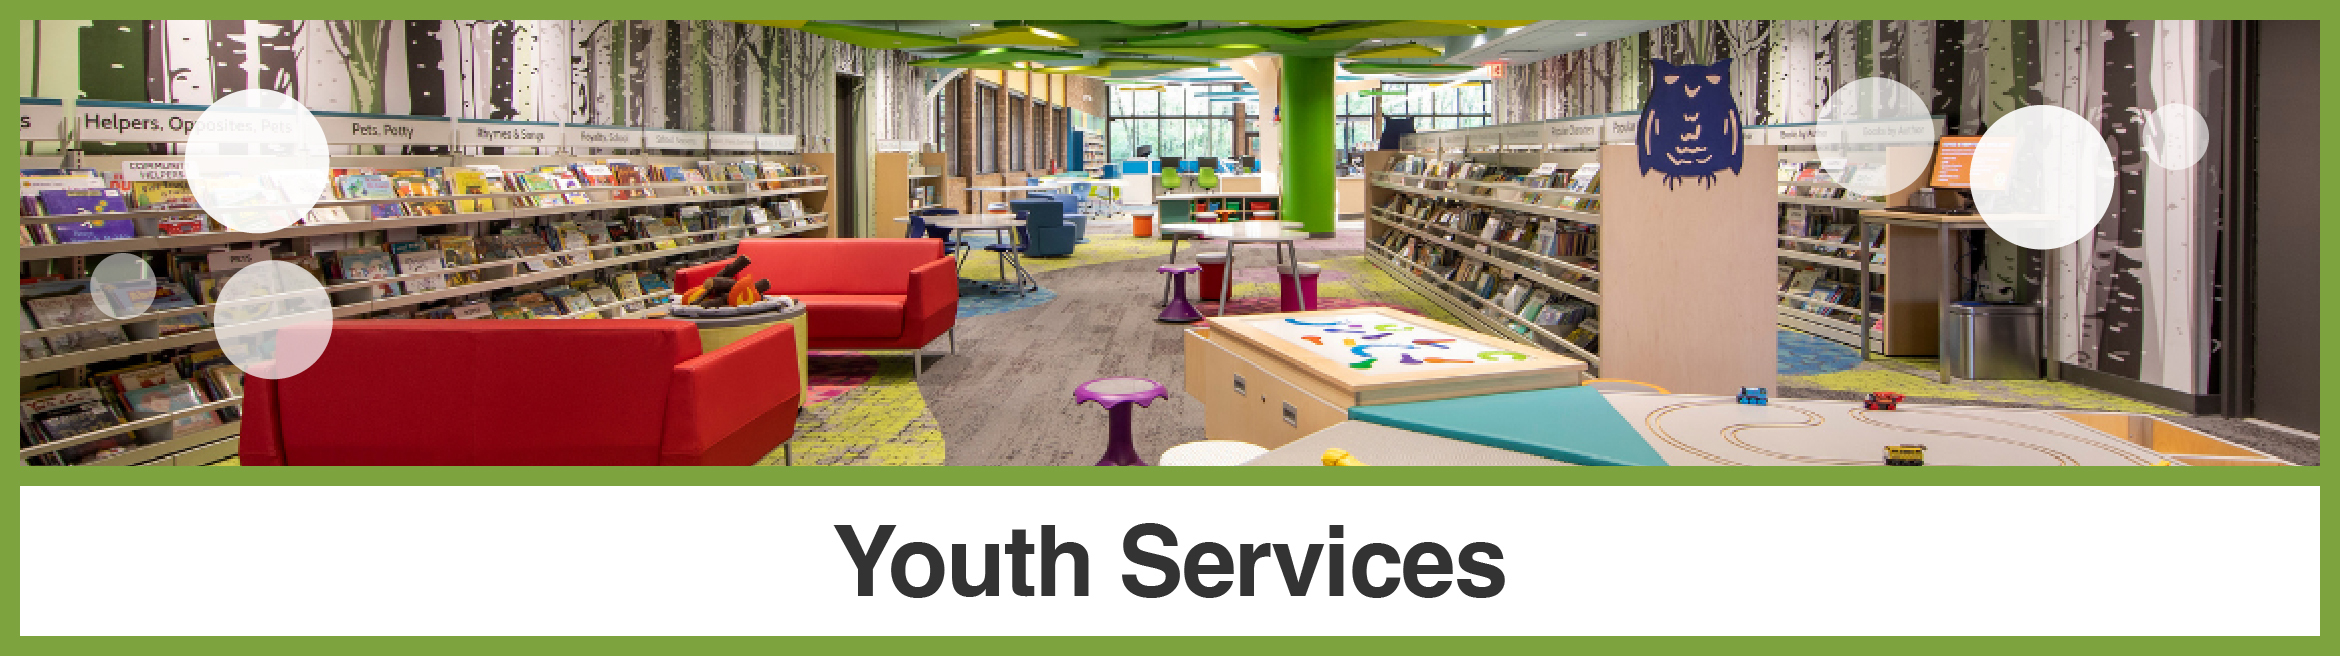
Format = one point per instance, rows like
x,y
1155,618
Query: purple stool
x,y
1177,309
1116,394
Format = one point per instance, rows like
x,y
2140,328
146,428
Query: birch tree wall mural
x,y
2123,305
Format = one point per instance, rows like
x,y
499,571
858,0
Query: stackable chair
x,y
952,246
1011,255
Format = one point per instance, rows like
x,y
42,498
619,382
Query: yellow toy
x,y
2163,463
1906,455
1340,458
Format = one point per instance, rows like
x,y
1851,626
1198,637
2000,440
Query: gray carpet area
x,y
1008,399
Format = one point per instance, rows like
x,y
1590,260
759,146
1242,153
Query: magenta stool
x,y
1298,284
1177,309
1116,394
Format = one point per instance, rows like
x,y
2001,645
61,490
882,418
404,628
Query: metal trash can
x,y
1993,341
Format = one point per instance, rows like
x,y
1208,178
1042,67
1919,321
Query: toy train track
x,y
1735,435
1863,416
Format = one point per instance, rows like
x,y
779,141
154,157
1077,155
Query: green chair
x,y
1171,181
1207,179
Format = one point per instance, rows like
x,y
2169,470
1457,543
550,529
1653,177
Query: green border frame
x,y
1084,476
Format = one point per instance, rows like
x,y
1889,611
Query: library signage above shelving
x,y
731,141
675,139
41,119
1571,132
603,136
1619,128
776,143
1523,136
508,134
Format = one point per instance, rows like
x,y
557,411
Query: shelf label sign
x,y
99,122
1620,129
1575,132
898,146
386,131
507,134
153,171
675,139
1523,136
732,141
1791,135
593,136
774,143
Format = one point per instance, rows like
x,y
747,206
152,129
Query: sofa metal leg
x,y
954,333
918,364
786,458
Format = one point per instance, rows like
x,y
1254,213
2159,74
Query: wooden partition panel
x,y
1687,276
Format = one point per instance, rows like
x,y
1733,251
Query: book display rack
x,y
582,222
1833,270
1542,233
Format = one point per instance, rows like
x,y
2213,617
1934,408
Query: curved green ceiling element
x,y
1373,67
1006,54
1219,36
1490,24
1393,30
1213,52
1294,24
1130,64
1399,51
870,37
1020,35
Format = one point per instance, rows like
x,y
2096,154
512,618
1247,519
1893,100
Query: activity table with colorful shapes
x,y
1269,379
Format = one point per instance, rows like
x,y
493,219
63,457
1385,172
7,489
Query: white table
x,y
1211,453
1241,232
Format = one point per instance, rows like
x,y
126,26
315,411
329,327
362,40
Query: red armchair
x,y
859,294
597,392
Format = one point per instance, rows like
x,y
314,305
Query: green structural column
x,y
1308,143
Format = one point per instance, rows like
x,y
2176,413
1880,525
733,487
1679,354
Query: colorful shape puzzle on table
x,y
1356,340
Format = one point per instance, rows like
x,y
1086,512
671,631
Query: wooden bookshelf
x,y
1678,289
894,182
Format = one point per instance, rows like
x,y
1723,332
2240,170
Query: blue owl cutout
x,y
1690,126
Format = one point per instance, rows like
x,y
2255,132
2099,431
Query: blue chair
x,y
1046,232
1072,212
954,247
1012,255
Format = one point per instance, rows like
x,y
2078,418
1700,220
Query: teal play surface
x,y
1568,424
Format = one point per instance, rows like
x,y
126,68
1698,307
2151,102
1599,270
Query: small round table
x,y
1211,453
718,332
1116,394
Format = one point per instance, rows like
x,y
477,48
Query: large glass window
x,y
1178,121
1019,129
986,128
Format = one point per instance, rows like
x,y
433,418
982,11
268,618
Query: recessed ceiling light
x,y
1376,41
980,25
1584,34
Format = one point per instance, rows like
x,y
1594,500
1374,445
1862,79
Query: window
x,y
1178,121
942,129
1431,107
986,144
1019,128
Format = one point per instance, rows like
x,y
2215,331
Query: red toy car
x,y
1882,401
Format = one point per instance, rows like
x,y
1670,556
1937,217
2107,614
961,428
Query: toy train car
x,y
1906,455
1882,401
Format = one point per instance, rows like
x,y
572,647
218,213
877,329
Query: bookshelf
x,y
353,299
1823,245
1088,152
1670,280
905,181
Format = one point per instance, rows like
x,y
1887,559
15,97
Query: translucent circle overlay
x,y
257,161
2176,136
1861,126
122,286
2042,177
274,319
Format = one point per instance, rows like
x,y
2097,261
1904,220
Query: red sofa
x,y
589,392
860,294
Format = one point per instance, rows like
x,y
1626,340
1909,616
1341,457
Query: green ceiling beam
x,y
1393,30
1219,36
1373,67
1149,23
1211,52
1399,51
870,37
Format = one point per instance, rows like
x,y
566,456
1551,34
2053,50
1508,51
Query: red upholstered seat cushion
x,y
420,392
848,316
838,266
